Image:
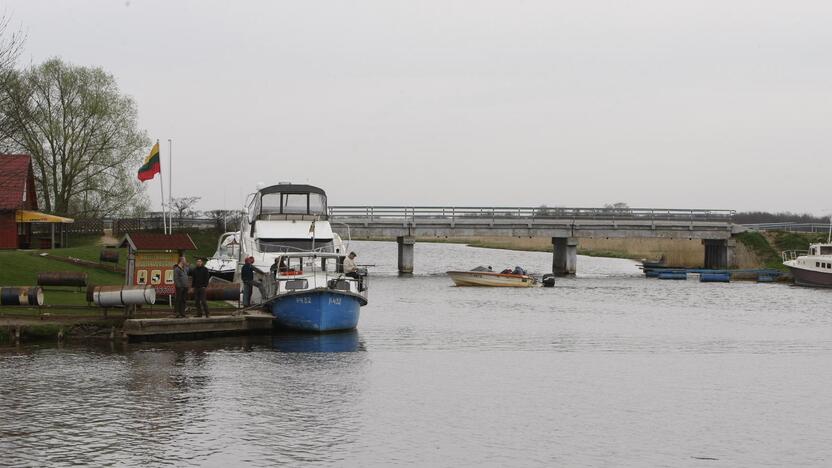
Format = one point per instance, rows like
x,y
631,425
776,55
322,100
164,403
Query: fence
x,y
124,225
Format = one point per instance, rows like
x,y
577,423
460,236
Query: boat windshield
x,y
826,250
293,203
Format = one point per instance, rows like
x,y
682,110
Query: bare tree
x,y
11,43
183,207
224,219
82,134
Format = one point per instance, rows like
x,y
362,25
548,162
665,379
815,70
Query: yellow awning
x,y
25,216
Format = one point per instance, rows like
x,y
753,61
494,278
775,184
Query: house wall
x,y
8,230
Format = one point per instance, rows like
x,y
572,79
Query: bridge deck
x,y
374,221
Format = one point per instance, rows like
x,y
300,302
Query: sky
x,y
705,104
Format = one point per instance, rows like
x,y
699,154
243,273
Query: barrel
x,y
109,255
219,292
765,278
21,296
111,296
715,278
62,278
673,275
651,273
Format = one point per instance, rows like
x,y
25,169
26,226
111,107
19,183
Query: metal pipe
x,y
110,296
21,296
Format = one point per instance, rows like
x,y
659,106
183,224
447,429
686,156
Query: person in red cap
x,y
247,275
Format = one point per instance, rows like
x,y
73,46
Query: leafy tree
x,y
83,135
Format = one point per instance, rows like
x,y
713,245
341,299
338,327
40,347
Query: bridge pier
x,y
406,245
720,253
565,256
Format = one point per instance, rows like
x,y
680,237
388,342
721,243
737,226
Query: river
x,y
606,369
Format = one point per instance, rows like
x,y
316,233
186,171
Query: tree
x,y
183,207
11,43
82,134
224,219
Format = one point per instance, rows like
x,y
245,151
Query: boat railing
x,y
789,255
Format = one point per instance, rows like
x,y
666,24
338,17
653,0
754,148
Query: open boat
x,y
484,277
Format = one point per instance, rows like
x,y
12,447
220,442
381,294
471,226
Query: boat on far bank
x,y
812,267
482,276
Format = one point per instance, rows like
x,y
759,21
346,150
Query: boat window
x,y
295,203
826,250
296,284
317,203
817,264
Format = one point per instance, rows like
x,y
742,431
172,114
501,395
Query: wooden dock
x,y
174,328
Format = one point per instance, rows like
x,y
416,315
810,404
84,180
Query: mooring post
x,y
406,244
564,256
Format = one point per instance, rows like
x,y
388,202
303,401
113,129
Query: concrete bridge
x,y
563,225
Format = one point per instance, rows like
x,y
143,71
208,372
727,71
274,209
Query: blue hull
x,y
317,311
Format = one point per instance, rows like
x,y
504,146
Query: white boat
x,y
287,227
812,267
483,277
224,262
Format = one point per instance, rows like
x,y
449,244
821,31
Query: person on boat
x,y
180,283
519,271
279,266
247,275
507,271
350,268
200,276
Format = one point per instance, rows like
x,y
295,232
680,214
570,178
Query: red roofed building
x,y
17,192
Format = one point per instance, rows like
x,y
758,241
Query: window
x,y
317,203
295,203
817,264
292,285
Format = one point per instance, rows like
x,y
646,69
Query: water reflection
x,y
340,342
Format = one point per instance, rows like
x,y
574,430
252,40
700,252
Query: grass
x,y
760,246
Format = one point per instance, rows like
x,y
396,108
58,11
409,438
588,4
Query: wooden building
x,y
19,207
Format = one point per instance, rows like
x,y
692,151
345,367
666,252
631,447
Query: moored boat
x,y
812,267
491,279
298,260
224,262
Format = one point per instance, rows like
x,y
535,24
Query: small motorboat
x,y
481,276
223,264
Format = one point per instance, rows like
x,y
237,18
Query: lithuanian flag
x,y
151,165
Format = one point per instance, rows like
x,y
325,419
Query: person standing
x,y
247,275
180,282
200,284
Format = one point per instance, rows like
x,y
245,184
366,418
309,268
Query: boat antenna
x,y
829,236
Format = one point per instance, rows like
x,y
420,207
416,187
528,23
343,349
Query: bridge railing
x,y
790,227
471,213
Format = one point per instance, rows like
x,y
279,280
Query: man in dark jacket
x,y
200,283
247,275
180,282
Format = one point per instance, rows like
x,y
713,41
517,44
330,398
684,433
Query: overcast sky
x,y
696,104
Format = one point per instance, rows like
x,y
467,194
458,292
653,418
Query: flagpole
x,y
162,189
170,184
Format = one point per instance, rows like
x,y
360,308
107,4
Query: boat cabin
x,y
290,218
300,272
820,249
288,202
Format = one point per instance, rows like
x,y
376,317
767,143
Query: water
x,y
609,369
